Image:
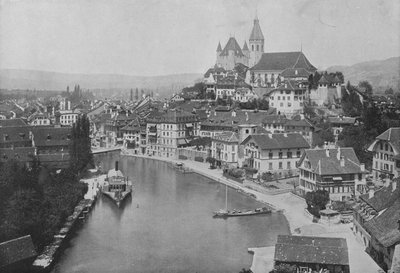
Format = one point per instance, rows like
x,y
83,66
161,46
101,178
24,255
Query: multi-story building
x,y
376,222
301,125
274,153
386,154
68,117
337,171
168,131
39,119
288,98
224,148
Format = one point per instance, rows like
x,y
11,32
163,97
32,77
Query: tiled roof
x,y
323,164
236,117
219,48
23,154
396,260
232,45
274,119
298,121
227,137
245,47
391,135
16,250
307,249
14,134
382,198
278,141
282,61
295,72
51,136
11,122
256,33
342,120
384,227
173,116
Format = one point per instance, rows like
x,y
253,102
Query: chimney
x,y
371,193
116,165
342,161
327,152
339,154
285,134
362,167
247,116
69,105
394,185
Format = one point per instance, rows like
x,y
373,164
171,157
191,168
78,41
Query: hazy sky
x,y
178,36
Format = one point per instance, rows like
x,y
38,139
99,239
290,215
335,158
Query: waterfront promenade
x,y
293,209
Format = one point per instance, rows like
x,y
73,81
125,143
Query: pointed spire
x,y
219,48
245,47
256,33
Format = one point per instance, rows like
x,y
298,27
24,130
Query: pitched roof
x,y
342,120
295,73
14,134
298,121
307,249
23,154
382,198
11,122
219,48
16,250
232,45
278,141
227,137
283,60
391,135
384,227
51,136
323,164
256,33
245,47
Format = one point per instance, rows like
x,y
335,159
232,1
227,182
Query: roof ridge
x,y
298,58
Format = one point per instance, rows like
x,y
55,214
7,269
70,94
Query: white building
x,y
68,117
224,148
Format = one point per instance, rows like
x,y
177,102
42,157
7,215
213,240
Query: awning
x,y
189,125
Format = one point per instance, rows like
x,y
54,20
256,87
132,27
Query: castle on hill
x,y
264,68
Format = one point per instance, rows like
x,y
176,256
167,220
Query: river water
x,y
167,226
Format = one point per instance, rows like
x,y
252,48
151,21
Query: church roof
x,y
219,48
283,60
233,45
245,47
256,33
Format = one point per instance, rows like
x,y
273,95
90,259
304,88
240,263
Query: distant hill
x,y
44,80
381,74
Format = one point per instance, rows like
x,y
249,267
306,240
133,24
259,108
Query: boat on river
x,y
224,213
116,185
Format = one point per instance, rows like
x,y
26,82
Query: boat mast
x,y
226,197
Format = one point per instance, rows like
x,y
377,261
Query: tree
x,y
80,148
316,201
389,91
367,87
323,135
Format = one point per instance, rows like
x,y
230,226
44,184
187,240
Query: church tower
x,y
256,43
219,50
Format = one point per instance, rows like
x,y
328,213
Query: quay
x,y
46,259
293,208
105,150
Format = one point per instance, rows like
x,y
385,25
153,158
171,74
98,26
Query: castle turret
x,y
246,50
219,50
256,43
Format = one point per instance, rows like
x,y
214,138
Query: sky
x,y
159,37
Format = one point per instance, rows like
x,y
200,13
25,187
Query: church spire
x,y
245,47
219,48
256,33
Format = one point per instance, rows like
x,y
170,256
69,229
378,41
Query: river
x,y
167,226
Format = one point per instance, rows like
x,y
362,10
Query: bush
x,y
199,159
184,157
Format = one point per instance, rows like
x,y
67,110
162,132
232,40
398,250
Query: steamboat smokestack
x,y
116,165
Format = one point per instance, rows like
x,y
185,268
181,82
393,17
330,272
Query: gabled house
x,y
274,153
386,154
376,221
338,171
224,148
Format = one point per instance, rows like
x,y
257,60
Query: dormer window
x,y
48,137
6,137
22,135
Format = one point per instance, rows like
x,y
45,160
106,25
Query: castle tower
x,y
219,50
246,52
256,43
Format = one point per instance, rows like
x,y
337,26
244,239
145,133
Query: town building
x,y
134,137
167,131
376,221
68,117
275,153
328,91
224,148
39,119
339,123
338,171
386,154
299,124
288,98
312,254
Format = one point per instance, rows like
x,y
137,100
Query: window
x,y
280,165
270,155
283,98
289,104
279,97
270,166
280,154
381,144
258,47
288,165
298,153
386,147
281,104
289,154
247,131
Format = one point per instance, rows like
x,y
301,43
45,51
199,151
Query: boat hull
x,y
117,198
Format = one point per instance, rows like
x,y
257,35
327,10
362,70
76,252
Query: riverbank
x,y
48,256
293,209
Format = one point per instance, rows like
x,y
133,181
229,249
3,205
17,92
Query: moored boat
x,y
116,185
